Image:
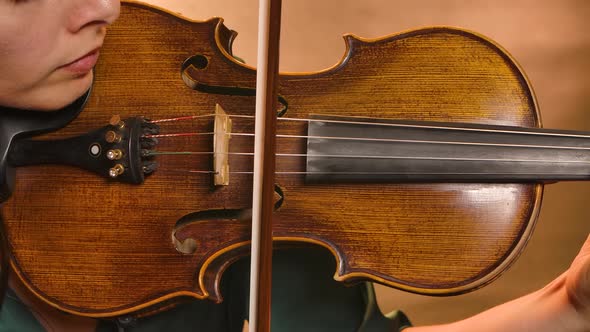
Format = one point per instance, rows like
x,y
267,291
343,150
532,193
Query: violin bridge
x,y
221,136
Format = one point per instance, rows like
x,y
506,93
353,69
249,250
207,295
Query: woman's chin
x,y
60,95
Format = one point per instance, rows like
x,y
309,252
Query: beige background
x,y
549,38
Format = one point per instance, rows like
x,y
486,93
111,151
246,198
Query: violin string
x,y
304,155
182,118
193,134
376,140
205,172
400,125
390,140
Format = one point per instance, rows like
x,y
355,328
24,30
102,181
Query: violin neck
x,y
371,150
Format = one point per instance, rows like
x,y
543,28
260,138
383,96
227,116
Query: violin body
x,y
101,248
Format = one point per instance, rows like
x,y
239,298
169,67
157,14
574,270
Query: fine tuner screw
x,y
116,170
112,137
117,122
115,154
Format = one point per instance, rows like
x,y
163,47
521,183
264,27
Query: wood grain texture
x,y
549,40
87,234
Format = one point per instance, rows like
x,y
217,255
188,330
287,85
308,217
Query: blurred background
x,y
549,39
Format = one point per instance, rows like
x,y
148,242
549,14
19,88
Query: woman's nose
x,y
92,12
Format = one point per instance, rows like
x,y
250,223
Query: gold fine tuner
x,y
114,154
117,122
112,137
116,170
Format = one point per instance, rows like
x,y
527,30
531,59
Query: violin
x,y
418,161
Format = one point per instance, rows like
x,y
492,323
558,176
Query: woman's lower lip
x,y
82,65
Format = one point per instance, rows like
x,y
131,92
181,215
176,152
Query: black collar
x,y
19,124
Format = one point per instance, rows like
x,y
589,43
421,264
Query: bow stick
x,y
269,21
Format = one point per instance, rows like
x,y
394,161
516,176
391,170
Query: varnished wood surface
x,y
549,40
94,238
568,94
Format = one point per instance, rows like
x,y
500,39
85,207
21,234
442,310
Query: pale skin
x,y
36,72
39,37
